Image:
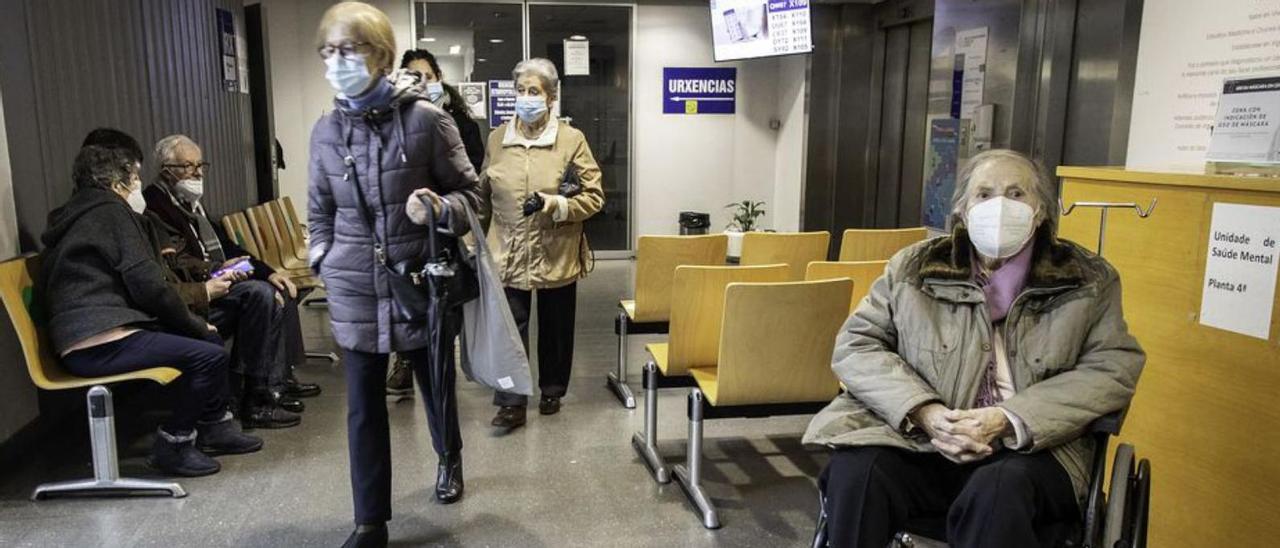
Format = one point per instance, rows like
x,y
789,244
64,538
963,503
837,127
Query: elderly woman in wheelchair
x,y
973,371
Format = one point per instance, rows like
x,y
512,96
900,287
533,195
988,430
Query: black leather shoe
x,y
289,403
268,416
449,479
400,380
298,389
510,417
549,405
367,536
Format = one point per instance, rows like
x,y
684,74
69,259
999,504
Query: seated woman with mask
x,y
972,370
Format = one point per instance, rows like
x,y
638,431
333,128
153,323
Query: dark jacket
x,y
468,129
411,144
185,273
99,272
161,204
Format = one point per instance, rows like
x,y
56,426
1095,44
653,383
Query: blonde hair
x,y
366,24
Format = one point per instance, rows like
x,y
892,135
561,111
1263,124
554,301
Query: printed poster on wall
x,y
942,164
577,58
473,95
1240,269
1247,128
502,101
699,90
227,47
1186,51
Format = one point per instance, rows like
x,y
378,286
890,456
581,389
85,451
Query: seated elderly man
x,y
972,370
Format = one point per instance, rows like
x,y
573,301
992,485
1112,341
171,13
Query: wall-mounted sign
x,y
1240,269
699,90
227,46
577,58
971,72
502,101
1247,127
942,163
473,95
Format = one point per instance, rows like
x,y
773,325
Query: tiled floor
x,y
567,480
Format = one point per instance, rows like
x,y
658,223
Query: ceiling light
x,y
455,49
577,37
427,39
496,40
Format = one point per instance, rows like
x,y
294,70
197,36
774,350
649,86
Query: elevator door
x,y
896,175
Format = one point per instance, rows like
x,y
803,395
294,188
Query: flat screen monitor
x,y
747,29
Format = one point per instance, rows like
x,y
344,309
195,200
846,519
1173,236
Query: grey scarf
x,y
204,229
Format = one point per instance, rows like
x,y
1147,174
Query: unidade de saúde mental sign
x,y
1240,269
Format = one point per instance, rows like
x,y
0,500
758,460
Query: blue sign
x,y
944,158
699,90
502,101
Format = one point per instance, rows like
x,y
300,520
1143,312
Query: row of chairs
x,y
752,340
658,256
272,232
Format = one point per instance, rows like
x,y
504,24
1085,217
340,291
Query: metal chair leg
x,y
690,478
646,442
106,464
617,381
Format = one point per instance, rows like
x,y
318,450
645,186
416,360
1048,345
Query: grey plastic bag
x,y
492,352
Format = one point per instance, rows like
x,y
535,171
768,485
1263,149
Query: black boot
x,y
287,402
400,379
262,411
367,536
178,456
449,478
225,438
295,388
510,417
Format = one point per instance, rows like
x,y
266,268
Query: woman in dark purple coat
x,y
385,140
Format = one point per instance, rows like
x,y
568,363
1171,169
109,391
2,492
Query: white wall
x,y
704,162
8,215
300,94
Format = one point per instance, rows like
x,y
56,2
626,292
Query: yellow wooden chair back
x,y
697,305
237,227
657,258
863,274
291,240
777,341
877,244
795,249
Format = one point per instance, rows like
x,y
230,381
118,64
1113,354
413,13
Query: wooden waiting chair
x,y
237,227
795,249
272,244
292,241
16,290
878,244
863,274
649,313
697,302
774,359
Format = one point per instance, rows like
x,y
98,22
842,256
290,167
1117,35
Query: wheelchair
x,y
1114,519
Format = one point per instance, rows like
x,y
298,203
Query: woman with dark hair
x,y
445,96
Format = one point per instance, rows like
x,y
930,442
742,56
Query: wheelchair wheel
x,y
1118,496
1141,505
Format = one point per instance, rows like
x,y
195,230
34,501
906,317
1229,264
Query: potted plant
x,y
745,215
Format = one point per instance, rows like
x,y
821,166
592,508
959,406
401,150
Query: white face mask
x,y
999,228
136,202
348,77
189,190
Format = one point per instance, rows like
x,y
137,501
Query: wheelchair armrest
x,y
1109,424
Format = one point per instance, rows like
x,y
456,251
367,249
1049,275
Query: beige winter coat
x,y
922,334
545,250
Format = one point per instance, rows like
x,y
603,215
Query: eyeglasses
x,y
189,167
349,50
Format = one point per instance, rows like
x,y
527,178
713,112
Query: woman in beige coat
x,y
536,229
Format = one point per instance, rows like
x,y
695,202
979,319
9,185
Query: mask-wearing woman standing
x,y
537,228
378,161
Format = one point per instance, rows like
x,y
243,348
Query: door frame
x,y
628,251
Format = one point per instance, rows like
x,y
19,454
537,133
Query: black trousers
x,y
201,390
369,434
1011,499
250,317
557,314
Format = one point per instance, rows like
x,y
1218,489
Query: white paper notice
x,y
1240,272
971,48
1248,123
473,94
577,58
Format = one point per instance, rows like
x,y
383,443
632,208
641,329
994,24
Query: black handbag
x,y
418,284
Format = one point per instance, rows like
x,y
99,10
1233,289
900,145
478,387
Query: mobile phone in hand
x,y
243,265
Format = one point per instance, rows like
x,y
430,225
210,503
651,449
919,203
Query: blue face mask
x,y
349,77
530,108
435,90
